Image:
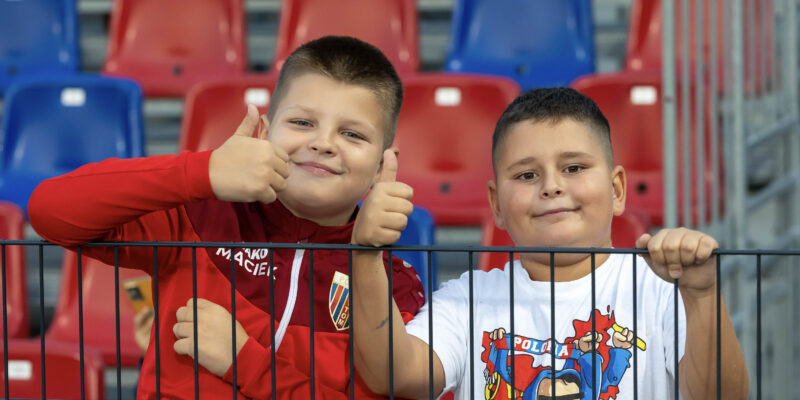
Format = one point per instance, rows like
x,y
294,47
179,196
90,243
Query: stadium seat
x,y
214,109
39,37
62,369
538,43
454,116
98,310
167,54
390,25
631,102
625,229
11,227
419,231
55,124
644,49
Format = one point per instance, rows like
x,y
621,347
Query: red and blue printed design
x,y
339,301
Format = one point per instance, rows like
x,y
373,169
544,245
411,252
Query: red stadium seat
x,y
214,109
99,326
632,104
625,229
169,45
444,135
62,369
390,25
11,227
645,36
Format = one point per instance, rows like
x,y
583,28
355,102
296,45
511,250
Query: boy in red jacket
x,y
322,145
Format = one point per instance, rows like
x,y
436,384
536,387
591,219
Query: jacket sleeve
x,y
253,376
122,200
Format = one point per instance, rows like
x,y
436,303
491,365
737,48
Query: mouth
x,y
317,168
556,211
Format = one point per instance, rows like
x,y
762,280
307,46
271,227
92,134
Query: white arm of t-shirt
x,y
450,329
668,329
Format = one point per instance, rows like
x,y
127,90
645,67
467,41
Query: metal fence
x,y
765,363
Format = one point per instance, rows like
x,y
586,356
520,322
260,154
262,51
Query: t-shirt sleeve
x,y
668,327
450,330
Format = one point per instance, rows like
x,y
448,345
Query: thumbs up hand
x,y
246,169
384,213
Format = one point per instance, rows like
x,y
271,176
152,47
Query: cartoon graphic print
x,y
533,376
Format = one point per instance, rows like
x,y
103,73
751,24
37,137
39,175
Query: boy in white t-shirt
x,y
555,186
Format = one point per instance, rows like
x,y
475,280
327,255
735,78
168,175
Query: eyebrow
x,y
566,155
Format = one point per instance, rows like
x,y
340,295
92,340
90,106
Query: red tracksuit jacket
x,y
169,198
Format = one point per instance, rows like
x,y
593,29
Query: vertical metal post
x,y
712,105
669,113
686,115
700,131
738,154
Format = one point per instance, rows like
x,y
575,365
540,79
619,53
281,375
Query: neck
x,y
567,266
338,219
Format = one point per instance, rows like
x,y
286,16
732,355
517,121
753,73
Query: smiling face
x,y
333,134
554,187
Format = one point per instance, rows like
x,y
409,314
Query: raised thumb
x,y
389,167
249,123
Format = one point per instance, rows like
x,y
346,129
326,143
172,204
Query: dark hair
x,y
348,60
553,105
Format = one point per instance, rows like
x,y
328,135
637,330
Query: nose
x,y
323,143
551,186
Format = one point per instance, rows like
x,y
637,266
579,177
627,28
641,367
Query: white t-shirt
x,y
490,375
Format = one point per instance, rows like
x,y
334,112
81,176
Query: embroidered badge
x,y
339,301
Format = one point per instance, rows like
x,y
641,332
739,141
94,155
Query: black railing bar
x,y
635,335
675,338
758,327
80,319
273,374
116,322
390,274
156,322
437,248
41,320
194,325
594,329
513,332
553,322
311,317
5,321
233,323
351,331
719,328
472,328
429,297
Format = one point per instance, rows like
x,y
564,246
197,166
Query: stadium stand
x,y
167,55
45,39
62,369
538,43
99,314
55,124
390,25
419,231
11,227
453,115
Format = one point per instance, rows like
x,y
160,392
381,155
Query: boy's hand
x,y
246,169
385,211
214,332
682,253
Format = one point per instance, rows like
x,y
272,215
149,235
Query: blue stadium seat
x,y
38,37
419,231
538,43
52,125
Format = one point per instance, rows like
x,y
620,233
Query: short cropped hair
x,y
553,105
347,60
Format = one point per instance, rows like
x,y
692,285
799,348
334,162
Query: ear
x,y
396,152
494,203
619,185
263,127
